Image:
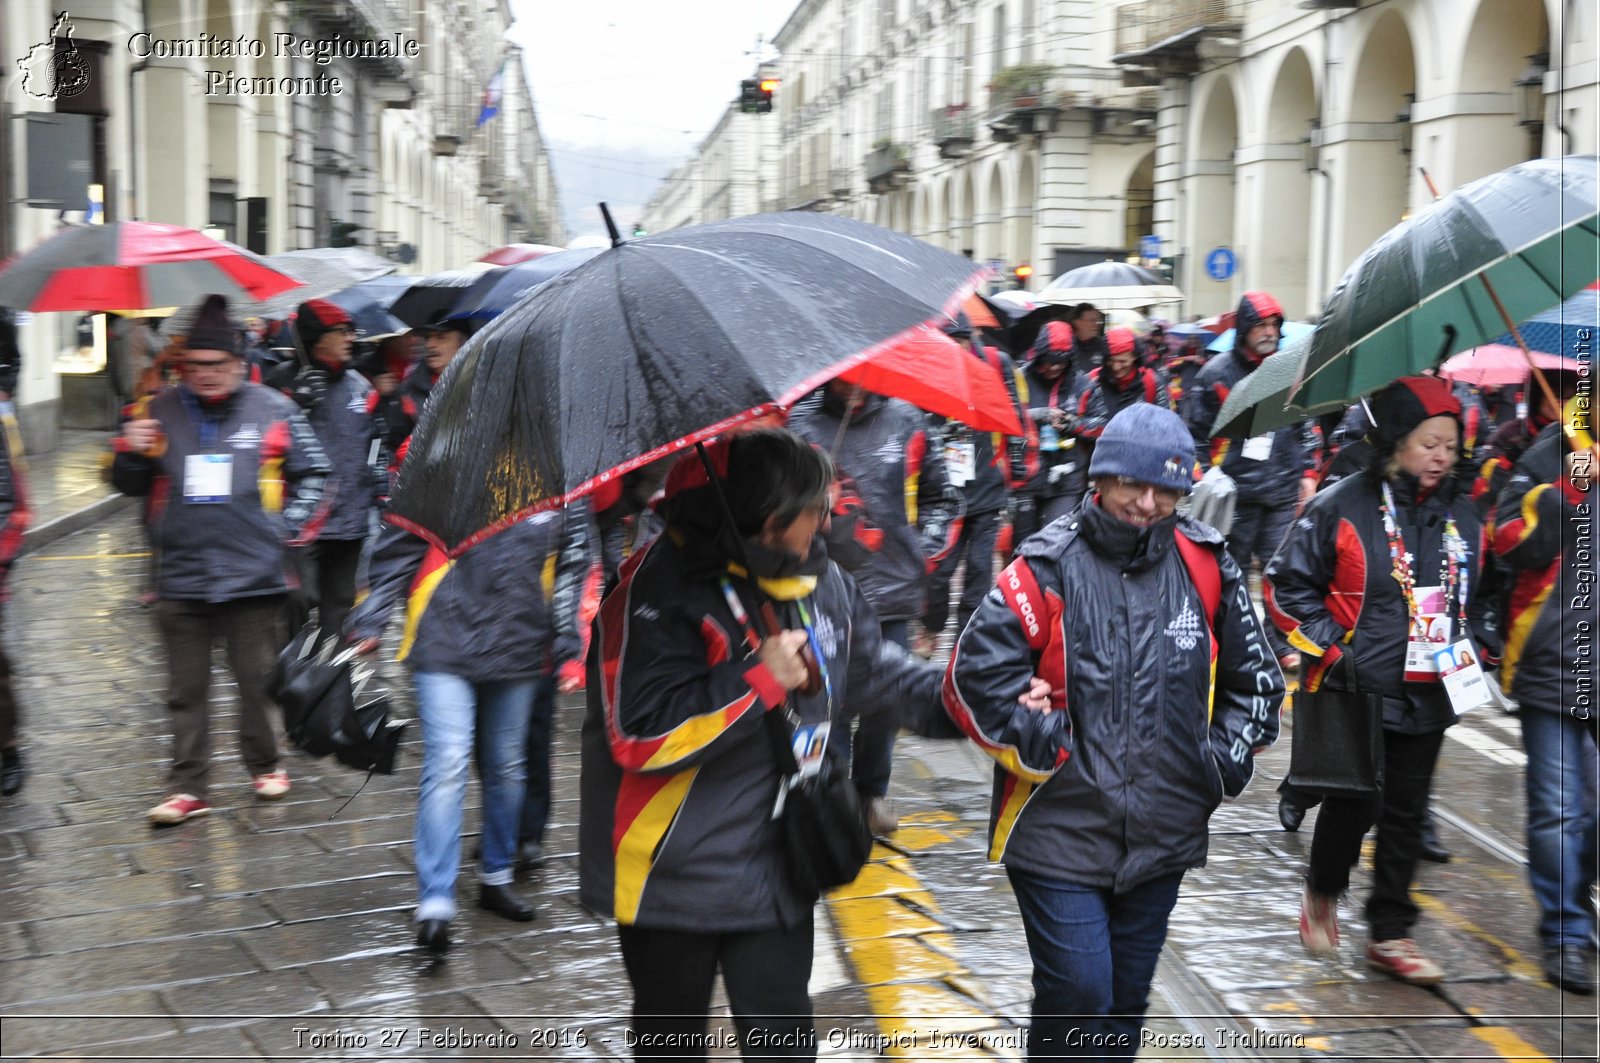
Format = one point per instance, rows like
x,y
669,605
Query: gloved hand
x,y
310,387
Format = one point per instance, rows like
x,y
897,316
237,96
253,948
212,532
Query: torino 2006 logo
x,y
55,69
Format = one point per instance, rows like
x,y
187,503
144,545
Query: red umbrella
x,y
1495,365
929,369
511,254
134,265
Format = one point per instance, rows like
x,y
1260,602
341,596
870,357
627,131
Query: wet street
x,y
283,931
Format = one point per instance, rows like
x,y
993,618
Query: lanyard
x,y
206,428
1452,574
754,641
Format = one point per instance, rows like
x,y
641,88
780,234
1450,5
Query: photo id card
x,y
207,478
1464,681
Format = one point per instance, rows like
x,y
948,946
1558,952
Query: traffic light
x,y
1023,273
755,95
342,234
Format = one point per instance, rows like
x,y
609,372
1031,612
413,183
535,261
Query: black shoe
x,y
1569,968
434,935
12,772
501,901
1290,814
1430,849
530,856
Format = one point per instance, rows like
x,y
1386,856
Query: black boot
x,y
501,901
12,772
1290,814
1430,849
434,935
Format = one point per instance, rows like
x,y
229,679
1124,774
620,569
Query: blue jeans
x,y
873,756
536,797
454,712
1094,955
1561,823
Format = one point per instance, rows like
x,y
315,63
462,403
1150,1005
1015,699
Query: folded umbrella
x,y
1532,231
131,265
327,709
627,359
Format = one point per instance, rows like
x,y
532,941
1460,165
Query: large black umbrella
x,y
1532,231
652,346
430,298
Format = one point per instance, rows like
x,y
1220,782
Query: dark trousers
x,y
976,547
1257,532
536,797
327,571
872,753
250,632
765,974
1408,762
8,699
1094,956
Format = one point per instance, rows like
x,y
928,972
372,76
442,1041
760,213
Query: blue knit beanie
x,y
1146,443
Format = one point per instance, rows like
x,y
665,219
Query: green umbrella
x,y
1260,402
1532,232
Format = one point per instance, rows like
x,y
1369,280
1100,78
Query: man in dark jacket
x,y
1120,382
483,633
14,517
897,519
1275,473
1054,384
985,466
338,403
1545,531
236,477
441,342
1162,690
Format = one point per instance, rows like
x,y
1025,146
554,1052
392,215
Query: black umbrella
x,y
326,709
496,291
433,297
652,346
1026,328
368,306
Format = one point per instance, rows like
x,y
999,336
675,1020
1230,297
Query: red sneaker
x,y
178,808
272,785
1319,923
1401,958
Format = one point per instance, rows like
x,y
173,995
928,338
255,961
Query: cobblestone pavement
x,y
283,931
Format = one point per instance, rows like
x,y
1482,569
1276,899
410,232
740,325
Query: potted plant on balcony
x,y
1019,87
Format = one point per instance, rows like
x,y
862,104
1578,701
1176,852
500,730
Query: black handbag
x,y
1338,740
822,824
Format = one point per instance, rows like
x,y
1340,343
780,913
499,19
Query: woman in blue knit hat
x,y
1163,690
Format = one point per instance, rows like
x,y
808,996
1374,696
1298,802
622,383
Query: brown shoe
x,y
880,816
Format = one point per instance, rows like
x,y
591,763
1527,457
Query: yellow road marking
x,y
1508,1044
1517,964
83,557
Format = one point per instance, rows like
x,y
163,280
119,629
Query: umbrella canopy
x,y
1532,230
1259,402
496,291
1496,365
368,311
1026,328
321,272
1292,332
511,254
1570,327
1014,302
1112,285
929,369
132,265
1108,274
427,299
653,346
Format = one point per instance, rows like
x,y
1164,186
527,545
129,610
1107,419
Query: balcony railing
x,y
1142,26
954,129
840,182
885,165
379,24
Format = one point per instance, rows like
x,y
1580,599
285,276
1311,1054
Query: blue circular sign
x,y
1220,264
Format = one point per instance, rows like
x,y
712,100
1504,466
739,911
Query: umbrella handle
x,y
1522,345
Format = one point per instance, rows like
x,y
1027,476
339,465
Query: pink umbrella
x,y
1495,365
511,254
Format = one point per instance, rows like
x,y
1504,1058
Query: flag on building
x,y
491,96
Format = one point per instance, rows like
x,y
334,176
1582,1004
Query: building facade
x,y
276,124
1288,133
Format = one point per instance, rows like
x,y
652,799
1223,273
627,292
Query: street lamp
x,y
1528,89
1311,145
1402,119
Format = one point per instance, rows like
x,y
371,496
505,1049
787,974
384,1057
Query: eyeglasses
x,y
207,365
1168,495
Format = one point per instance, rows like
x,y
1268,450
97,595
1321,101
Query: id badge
x,y
810,742
1258,448
1464,681
207,478
1430,633
960,462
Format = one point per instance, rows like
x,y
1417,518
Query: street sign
x,y
1220,264
998,265
1149,247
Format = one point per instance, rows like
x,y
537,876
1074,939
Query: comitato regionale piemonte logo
x,y
55,69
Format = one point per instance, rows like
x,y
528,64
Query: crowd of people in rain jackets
x,y
1116,668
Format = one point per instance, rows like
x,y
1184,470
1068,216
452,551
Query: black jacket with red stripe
x,y
1103,398
1545,531
909,515
1164,688
14,513
679,777
1331,589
